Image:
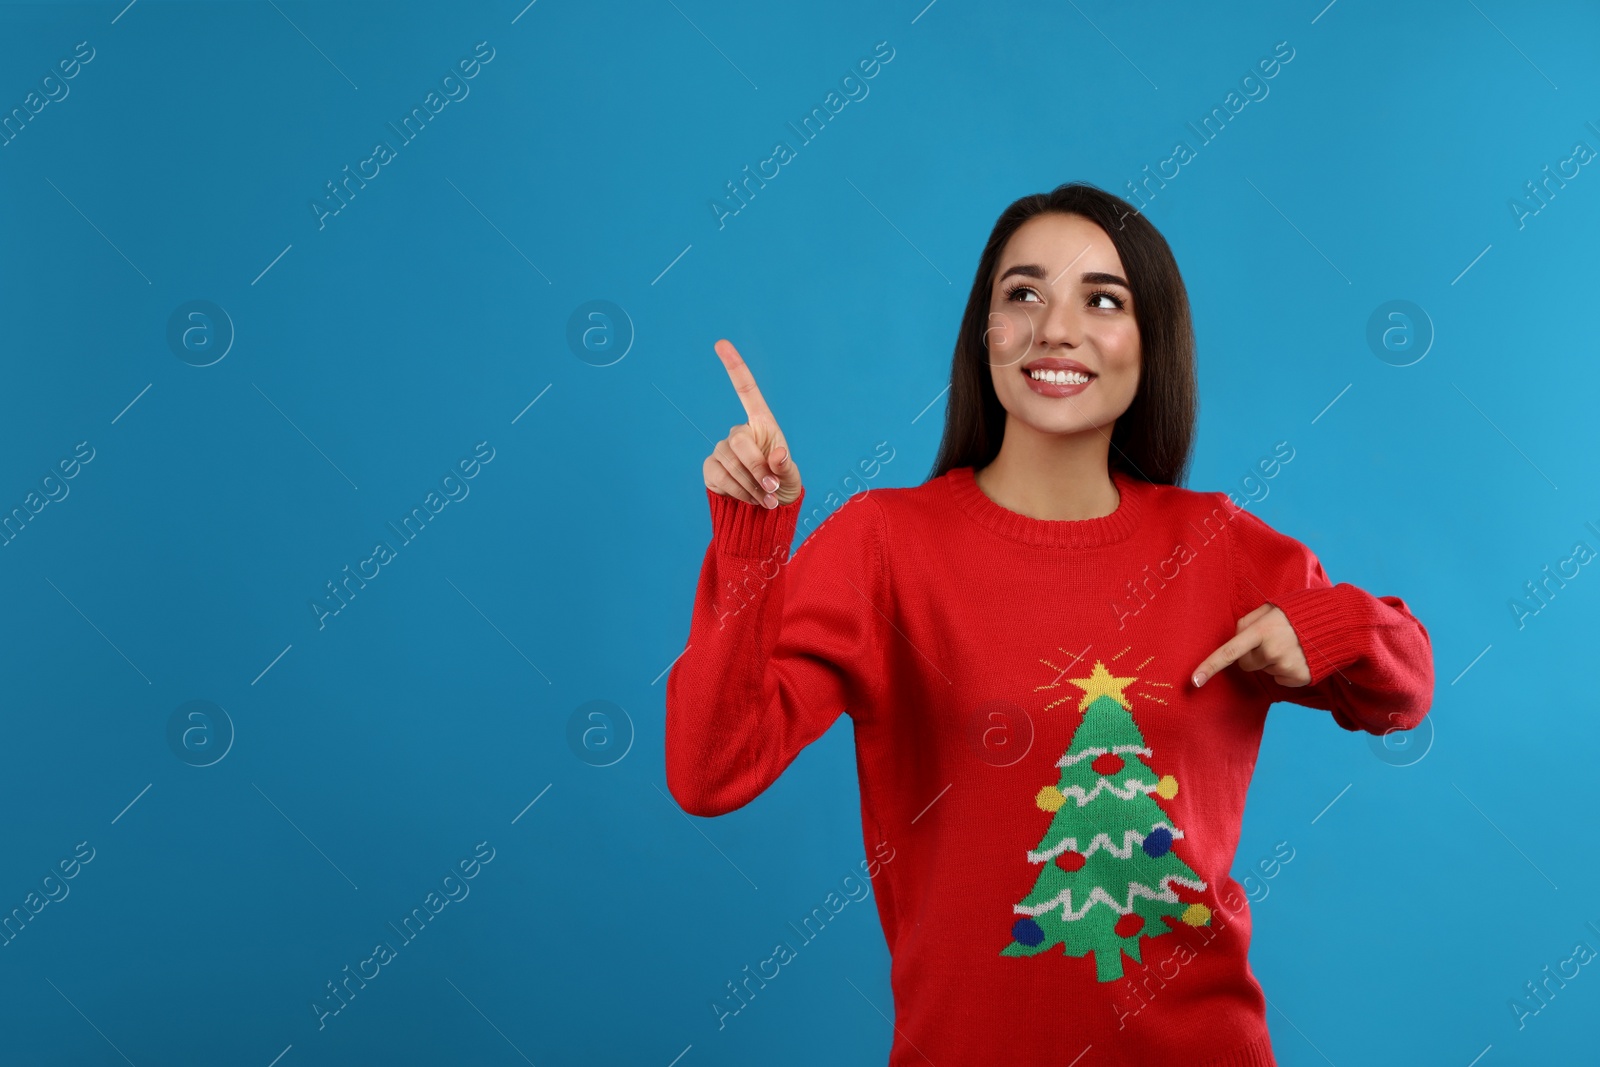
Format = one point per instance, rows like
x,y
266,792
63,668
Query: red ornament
x,y
1070,861
1129,925
1110,763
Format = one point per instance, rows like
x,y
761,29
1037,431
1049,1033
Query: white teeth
x,y
1059,377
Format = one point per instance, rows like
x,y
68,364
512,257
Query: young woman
x,y
1057,663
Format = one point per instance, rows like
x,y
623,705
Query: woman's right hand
x,y
753,462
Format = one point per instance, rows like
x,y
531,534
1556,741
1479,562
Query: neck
x,y
1051,476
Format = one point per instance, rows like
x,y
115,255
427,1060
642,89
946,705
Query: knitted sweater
x,y
1062,804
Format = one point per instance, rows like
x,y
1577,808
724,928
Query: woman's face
x,y
1061,303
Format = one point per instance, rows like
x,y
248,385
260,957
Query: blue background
x,y
1430,879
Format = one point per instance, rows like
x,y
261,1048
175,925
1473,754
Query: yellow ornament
x,y
1050,799
1197,915
1167,788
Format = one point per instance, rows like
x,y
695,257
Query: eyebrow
x,y
1090,277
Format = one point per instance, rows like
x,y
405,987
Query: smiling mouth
x,y
1058,370
1060,377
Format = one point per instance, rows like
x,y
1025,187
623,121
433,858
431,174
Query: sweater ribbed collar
x,y
1051,533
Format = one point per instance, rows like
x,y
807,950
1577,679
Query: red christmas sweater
x,y
1062,803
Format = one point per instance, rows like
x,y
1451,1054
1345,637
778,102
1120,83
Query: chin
x,y
1052,414
1071,422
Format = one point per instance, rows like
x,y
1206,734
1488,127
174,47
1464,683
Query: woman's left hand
x,y
1264,641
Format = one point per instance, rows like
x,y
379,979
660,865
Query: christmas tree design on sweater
x,y
1107,864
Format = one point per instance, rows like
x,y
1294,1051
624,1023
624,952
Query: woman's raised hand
x,y
753,462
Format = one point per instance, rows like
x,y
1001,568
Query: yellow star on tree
x,y
1102,683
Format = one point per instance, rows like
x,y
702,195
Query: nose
x,y
1059,325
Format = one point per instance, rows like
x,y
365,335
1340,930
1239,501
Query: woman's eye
x,y
1015,294
1112,301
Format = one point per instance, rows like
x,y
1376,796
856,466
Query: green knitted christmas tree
x,y
1107,863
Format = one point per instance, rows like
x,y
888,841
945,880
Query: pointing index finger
x,y
1228,653
744,383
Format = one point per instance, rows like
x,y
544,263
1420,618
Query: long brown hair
x,y
1152,440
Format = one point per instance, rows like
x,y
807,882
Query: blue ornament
x,y
1158,842
1027,932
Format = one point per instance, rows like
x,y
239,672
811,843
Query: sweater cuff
x,y
740,530
1330,625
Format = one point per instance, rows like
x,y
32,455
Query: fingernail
x,y
1199,680
770,484
770,501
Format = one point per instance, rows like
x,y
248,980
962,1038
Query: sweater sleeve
x,y
1371,660
779,645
